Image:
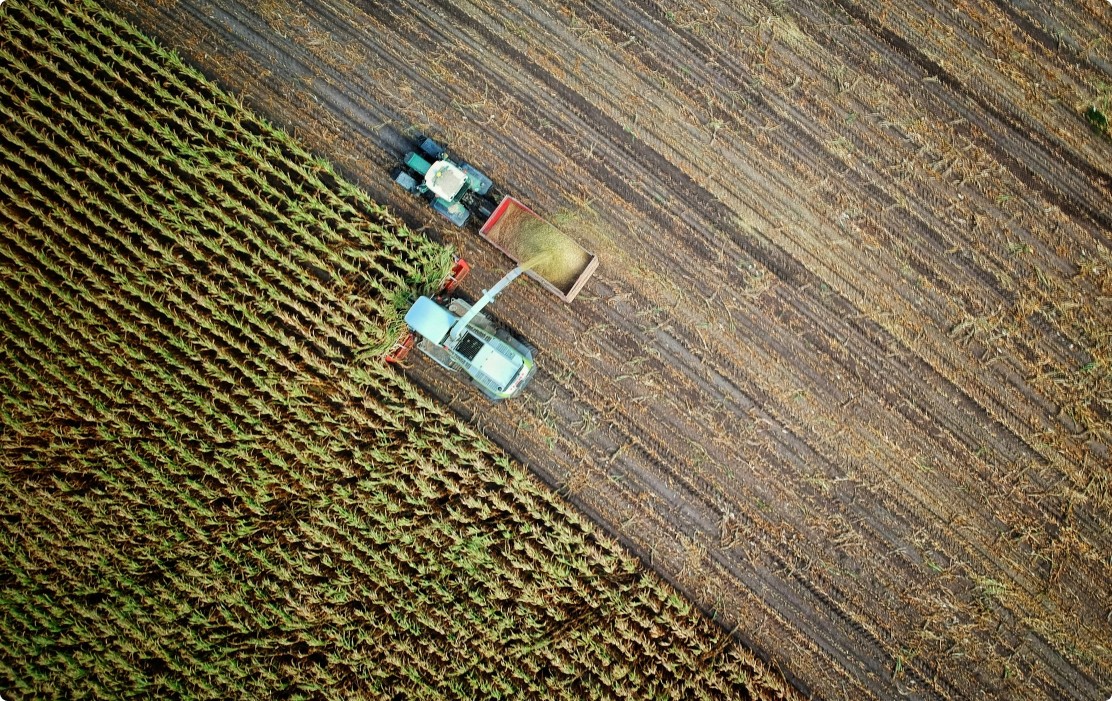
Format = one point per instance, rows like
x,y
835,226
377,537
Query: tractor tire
x,y
429,147
403,177
483,209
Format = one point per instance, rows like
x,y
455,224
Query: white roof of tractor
x,y
431,320
445,179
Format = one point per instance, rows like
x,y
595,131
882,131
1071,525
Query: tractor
x,y
456,190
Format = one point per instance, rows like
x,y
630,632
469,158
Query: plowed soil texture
x,y
843,374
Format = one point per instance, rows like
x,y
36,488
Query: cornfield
x,y
210,487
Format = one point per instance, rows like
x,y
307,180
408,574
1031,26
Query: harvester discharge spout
x,y
488,297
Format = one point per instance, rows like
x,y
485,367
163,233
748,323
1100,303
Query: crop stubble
x,y
844,371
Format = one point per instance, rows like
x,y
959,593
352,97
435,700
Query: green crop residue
x,y
1097,119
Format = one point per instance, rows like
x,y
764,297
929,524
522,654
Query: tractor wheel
x,y
403,177
430,147
484,208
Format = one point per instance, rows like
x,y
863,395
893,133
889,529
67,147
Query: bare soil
x,y
844,373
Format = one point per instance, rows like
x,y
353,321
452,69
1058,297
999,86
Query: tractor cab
x,y
445,180
456,190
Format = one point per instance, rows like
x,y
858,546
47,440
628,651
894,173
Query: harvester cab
x,y
456,190
461,338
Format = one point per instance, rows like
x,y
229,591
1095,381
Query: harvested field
x,y
210,484
844,372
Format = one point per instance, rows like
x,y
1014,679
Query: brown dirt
x,y
844,373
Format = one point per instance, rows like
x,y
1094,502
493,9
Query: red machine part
x,y
397,353
459,271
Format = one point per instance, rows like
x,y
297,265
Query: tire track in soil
x,y
998,413
1021,155
786,331
1051,44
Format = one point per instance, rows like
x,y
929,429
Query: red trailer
x,y
522,234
